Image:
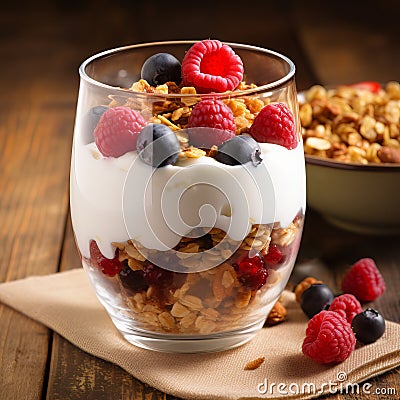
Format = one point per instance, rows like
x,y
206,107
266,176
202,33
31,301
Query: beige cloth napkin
x,y
66,303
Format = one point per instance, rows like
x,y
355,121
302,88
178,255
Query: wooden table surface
x,y
41,47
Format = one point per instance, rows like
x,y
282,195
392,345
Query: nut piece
x,y
254,364
140,86
192,152
277,314
304,285
318,143
389,154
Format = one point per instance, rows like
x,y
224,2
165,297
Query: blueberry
x,y
90,121
157,145
161,68
315,299
368,326
240,149
133,280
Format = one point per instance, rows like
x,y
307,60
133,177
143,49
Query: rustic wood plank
x,y
76,375
34,160
34,147
35,136
37,104
23,356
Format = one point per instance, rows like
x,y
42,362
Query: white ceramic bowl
x,y
356,197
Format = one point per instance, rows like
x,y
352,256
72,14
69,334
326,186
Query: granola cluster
x,y
348,124
277,314
213,300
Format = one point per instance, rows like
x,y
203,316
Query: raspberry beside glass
x,y
188,190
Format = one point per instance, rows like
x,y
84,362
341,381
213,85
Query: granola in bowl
x,y
352,124
352,148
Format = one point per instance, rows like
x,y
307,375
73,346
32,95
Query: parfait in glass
x,y
188,189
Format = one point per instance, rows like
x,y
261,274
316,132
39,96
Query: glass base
x,y
190,343
179,343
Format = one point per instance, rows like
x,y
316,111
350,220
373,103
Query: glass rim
x,y
269,86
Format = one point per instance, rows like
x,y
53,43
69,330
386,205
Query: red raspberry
x,y
274,255
211,66
275,124
110,267
364,280
212,113
347,306
329,338
251,271
117,131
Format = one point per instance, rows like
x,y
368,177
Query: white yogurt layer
x,y
116,199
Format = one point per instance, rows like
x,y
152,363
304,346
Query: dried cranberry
x,y
251,271
274,255
256,280
109,266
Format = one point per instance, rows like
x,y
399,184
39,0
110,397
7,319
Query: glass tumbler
x,y
187,204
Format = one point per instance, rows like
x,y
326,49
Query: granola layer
x,y
212,300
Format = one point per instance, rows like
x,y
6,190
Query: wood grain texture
x,y
76,375
34,158
23,356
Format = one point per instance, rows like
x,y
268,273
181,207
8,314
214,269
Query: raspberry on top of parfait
x,y
211,68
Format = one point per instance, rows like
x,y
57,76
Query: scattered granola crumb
x,y
277,314
254,364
